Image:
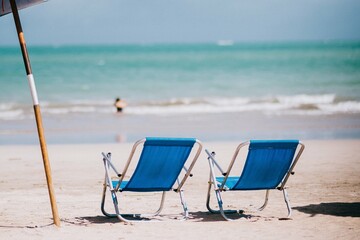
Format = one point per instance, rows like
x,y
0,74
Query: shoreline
x,y
113,128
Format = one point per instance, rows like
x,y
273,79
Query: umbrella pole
x,y
37,113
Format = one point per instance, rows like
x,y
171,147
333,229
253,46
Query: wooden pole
x,y
37,113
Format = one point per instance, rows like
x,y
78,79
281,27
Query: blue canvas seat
x,y
268,166
158,169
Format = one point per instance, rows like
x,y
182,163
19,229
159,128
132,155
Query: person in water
x,y
119,104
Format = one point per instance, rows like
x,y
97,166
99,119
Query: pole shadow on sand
x,y
340,209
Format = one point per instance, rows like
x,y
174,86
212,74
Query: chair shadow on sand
x,y
340,209
94,220
200,216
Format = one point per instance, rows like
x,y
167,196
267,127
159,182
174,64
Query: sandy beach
x,y
324,194
213,71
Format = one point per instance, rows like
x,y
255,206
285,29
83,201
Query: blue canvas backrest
x,y
160,164
267,163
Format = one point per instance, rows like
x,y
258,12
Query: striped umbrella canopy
x,y
8,6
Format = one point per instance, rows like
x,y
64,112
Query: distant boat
x,y
225,42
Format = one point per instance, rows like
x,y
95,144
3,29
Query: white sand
x,y
324,193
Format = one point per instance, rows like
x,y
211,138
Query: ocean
x,y
223,91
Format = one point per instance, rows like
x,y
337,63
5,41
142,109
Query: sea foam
x,y
302,104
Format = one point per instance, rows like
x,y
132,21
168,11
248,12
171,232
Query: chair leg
x,y
156,213
220,203
266,200
115,202
161,205
103,203
208,198
183,203
221,209
137,215
120,216
286,198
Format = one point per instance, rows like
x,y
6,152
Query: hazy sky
x,y
60,22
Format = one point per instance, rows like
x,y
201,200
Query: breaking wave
x,y
302,104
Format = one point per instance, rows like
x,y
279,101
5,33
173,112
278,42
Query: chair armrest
x,y
107,158
212,157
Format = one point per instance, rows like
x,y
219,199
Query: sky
x,y
75,22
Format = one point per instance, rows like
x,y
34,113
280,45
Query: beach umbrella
x,y
8,6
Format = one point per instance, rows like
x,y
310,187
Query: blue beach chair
x,y
268,166
159,166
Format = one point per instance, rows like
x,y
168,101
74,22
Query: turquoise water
x,y
287,79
